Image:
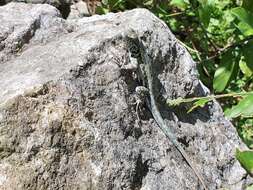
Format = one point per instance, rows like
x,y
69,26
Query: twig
x,y
175,14
208,39
187,47
228,47
197,53
211,97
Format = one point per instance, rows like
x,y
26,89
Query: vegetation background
x,y
219,36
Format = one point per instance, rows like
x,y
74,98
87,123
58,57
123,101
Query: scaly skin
x,y
151,102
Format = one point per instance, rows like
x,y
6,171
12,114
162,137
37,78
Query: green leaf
x,y
225,73
101,10
205,15
246,132
246,160
245,29
243,15
149,3
244,68
243,108
205,11
248,4
181,4
199,103
249,187
116,3
248,54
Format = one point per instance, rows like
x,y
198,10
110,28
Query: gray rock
x,y
23,24
62,5
67,119
79,10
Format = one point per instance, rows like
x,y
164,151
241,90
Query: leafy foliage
x,y
219,36
250,187
243,108
245,160
226,71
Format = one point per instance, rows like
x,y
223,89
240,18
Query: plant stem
x,y
187,47
211,97
175,14
228,47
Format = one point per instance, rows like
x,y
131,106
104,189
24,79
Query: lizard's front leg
x,y
141,93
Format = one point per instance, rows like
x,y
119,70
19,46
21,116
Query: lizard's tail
x,y
163,126
188,160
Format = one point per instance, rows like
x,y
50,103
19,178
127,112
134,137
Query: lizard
x,y
147,75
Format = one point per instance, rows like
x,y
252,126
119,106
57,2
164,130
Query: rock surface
x,y
71,9
78,10
67,113
23,24
62,5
